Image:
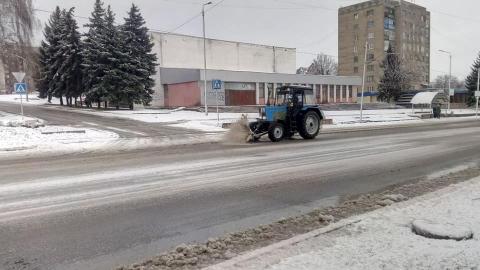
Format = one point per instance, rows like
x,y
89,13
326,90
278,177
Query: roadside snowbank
x,y
26,133
383,239
52,138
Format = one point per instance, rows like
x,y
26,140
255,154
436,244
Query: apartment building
x,y
375,26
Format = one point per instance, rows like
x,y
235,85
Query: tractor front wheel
x,y
310,125
276,132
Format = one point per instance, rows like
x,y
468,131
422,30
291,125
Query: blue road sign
x,y
21,88
216,84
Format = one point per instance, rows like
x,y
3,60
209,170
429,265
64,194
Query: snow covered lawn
x,y
383,239
14,137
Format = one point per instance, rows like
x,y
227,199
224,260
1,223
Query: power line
x,y
316,53
193,18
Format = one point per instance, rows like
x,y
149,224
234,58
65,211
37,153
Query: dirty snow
x,y
383,239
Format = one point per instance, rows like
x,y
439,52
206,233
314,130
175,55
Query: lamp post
x,y
449,77
363,80
205,58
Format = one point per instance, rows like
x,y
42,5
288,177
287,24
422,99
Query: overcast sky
x,y
308,25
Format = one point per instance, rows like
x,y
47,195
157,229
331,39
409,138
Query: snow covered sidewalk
x,y
382,239
15,137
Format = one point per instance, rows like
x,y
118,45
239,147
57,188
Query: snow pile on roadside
x,y
12,120
371,117
384,239
52,138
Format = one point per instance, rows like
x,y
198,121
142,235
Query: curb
x,y
235,261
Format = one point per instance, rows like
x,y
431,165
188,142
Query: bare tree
x,y
441,82
322,65
17,23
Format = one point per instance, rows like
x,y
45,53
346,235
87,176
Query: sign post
x,y
21,88
217,86
477,93
477,96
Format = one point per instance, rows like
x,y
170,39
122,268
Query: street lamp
x,y
205,57
449,77
363,80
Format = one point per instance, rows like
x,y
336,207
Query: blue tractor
x,y
287,116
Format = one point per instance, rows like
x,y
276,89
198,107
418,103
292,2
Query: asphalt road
x,y
99,210
55,115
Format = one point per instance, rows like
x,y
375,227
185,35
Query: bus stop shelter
x,y
428,100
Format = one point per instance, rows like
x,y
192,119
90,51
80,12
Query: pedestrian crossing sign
x,y
216,84
21,88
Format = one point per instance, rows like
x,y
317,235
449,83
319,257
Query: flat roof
x,y
221,40
180,75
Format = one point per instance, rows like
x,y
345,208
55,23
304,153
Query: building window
x,y
355,69
370,68
331,91
370,12
370,24
355,49
355,26
371,35
270,91
389,24
370,57
261,90
370,45
369,79
356,37
355,16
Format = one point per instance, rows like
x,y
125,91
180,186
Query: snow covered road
x,y
96,211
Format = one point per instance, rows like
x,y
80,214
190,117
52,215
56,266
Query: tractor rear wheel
x,y
276,132
309,125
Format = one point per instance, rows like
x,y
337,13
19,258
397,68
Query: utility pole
x,y
363,80
478,91
449,78
205,58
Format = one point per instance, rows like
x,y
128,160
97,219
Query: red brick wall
x,y
183,95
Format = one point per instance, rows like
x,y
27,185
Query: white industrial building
x,y
186,52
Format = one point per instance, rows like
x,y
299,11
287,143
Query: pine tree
x,y
142,62
94,56
47,54
394,80
70,70
42,81
116,77
57,84
471,82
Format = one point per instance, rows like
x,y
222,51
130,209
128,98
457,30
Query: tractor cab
x,y
288,115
